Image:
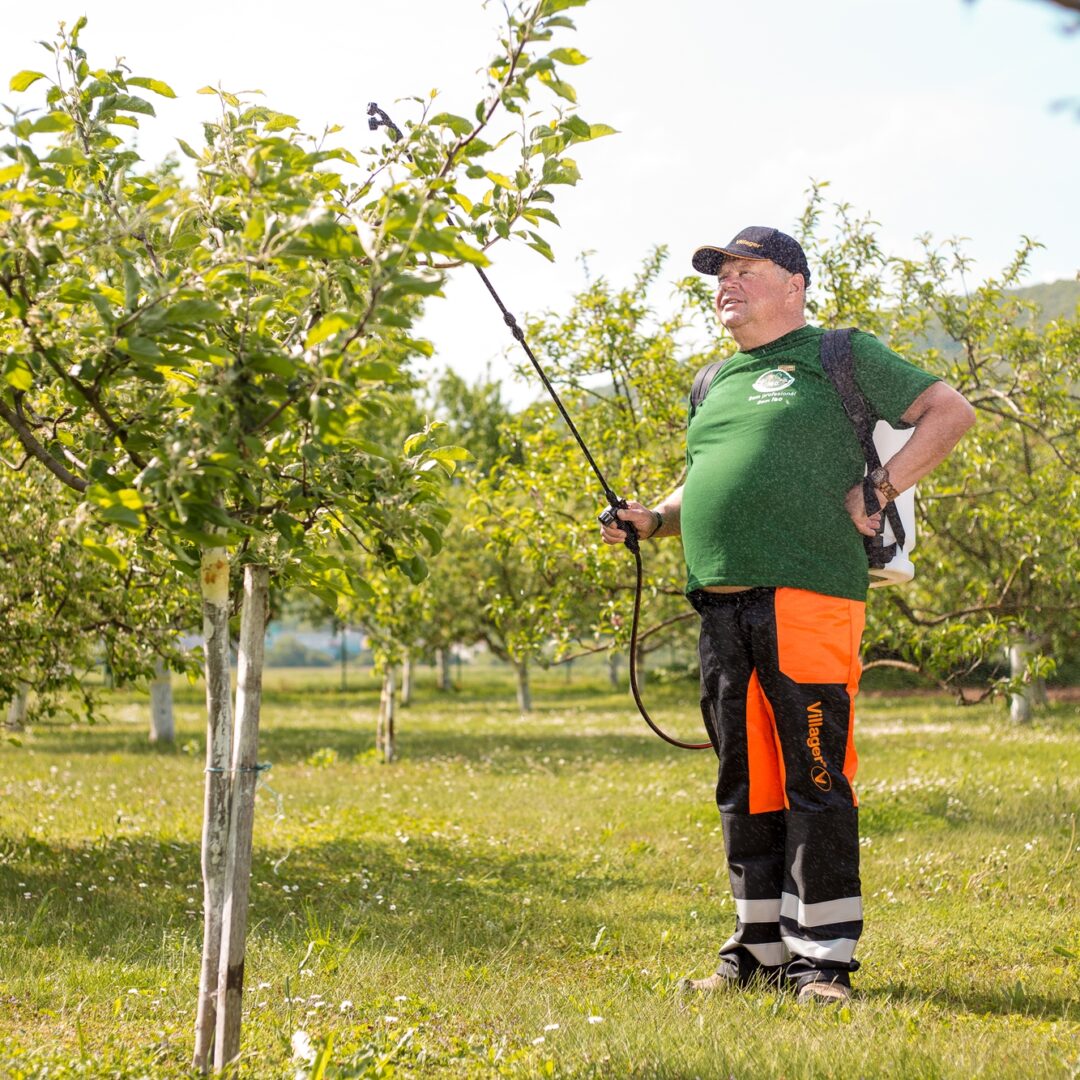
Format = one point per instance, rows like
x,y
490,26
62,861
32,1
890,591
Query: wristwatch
x,y
879,477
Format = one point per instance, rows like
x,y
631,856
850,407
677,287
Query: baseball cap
x,y
755,242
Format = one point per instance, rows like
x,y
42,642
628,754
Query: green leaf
x,y
328,326
598,131
432,536
107,554
502,181
564,56
54,121
449,456
67,155
457,124
415,569
24,79
189,312
563,89
125,103
414,442
540,212
280,121
132,285
74,291
140,348
538,243
187,149
156,85
10,172
469,254
552,6
17,373
578,127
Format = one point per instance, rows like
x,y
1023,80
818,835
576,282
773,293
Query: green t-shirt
x,y
770,456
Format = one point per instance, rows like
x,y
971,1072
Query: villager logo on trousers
x,y
819,773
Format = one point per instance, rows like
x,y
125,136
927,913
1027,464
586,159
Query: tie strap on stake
x,y
378,118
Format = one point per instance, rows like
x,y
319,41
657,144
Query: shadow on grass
x,y
493,750
996,1001
121,898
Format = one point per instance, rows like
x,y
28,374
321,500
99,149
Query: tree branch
x,y
33,447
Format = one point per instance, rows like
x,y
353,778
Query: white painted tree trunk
x,y
16,710
243,776
524,692
386,731
406,679
214,576
1020,702
162,724
442,669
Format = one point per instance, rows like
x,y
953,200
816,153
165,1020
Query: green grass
x,y
442,915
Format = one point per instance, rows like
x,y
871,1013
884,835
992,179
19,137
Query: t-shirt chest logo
x,y
772,382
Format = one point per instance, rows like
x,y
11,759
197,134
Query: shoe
x,y
714,982
824,993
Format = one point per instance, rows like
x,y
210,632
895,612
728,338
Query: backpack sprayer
x,y
887,553
378,118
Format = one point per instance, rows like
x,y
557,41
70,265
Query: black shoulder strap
x,y
839,365
702,381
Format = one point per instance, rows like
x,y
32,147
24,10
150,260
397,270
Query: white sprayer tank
x,y
899,569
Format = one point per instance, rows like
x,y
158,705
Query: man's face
x,y
752,291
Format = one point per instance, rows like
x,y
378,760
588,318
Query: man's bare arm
x,y
940,416
644,519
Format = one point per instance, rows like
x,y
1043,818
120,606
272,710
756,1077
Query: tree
x,y
65,612
209,367
996,567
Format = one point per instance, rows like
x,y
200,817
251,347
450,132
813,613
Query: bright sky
x,y
935,116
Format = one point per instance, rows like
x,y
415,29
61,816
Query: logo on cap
x,y
748,243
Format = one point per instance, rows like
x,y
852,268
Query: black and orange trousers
x,y
779,674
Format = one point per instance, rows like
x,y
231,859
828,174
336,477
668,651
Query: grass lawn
x,y
519,896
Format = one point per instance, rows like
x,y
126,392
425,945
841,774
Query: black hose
x,y
378,118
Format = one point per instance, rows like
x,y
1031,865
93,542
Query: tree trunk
x,y
613,660
162,724
524,693
244,775
406,679
344,653
214,576
386,732
1019,701
442,669
16,710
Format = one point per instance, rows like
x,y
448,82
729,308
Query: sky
x,y
932,116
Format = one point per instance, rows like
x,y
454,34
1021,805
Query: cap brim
x,y
707,260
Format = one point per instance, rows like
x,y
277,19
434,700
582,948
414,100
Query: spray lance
x,y
378,118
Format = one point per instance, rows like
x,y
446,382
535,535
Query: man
x,y
770,516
